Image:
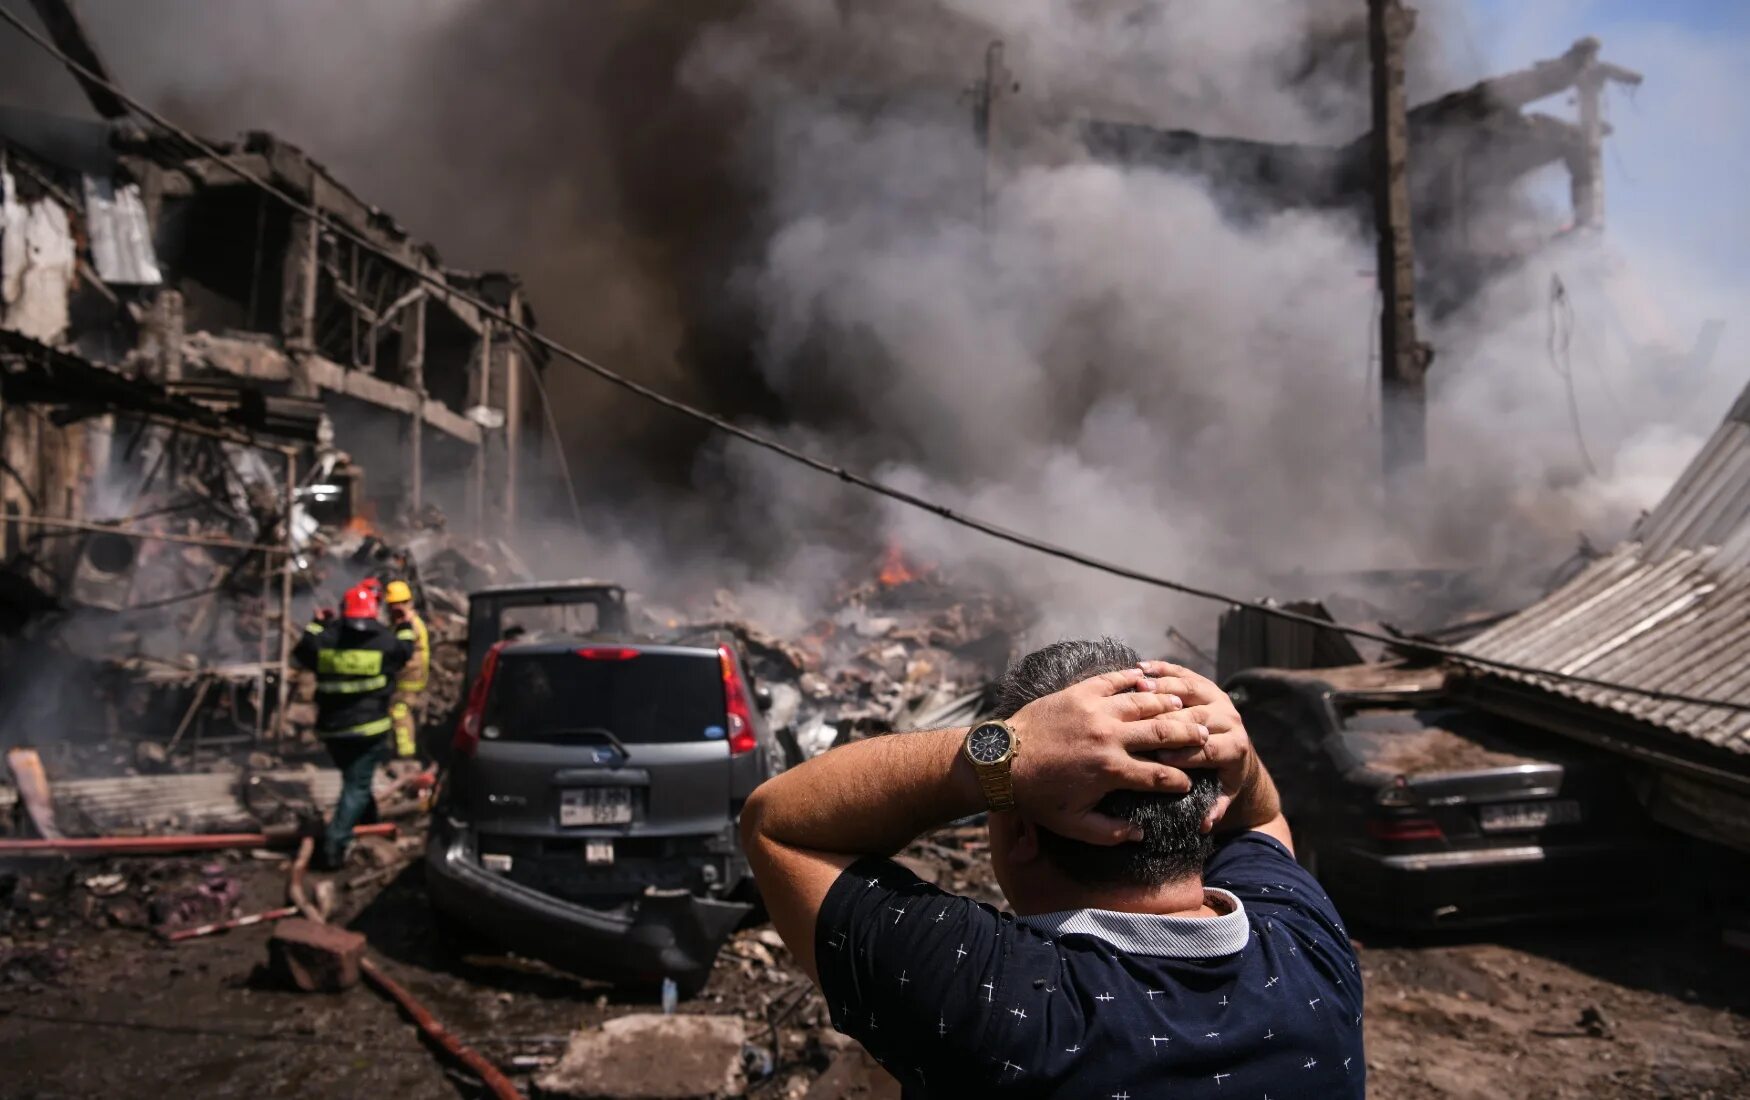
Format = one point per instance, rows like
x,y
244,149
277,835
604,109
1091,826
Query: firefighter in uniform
x,y
407,709
355,660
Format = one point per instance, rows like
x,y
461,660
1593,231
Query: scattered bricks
x,y
316,958
651,1057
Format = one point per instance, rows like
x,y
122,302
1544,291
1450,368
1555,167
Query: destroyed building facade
x,y
197,376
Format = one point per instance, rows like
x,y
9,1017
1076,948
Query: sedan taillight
x,y
1404,828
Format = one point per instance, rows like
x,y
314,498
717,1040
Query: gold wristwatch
x,y
991,747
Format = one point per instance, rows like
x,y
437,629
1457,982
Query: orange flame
x,y
895,570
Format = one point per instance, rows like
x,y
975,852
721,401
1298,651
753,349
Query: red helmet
x,y
360,602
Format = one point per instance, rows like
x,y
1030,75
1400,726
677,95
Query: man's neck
x,y
1181,898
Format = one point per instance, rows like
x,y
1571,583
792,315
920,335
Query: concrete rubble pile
x,y
908,648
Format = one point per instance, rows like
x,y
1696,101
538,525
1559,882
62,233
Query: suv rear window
x,y
642,699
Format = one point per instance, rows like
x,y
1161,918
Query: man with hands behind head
x,y
1162,934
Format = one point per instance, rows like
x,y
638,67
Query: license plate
x,y
1509,816
596,806
598,851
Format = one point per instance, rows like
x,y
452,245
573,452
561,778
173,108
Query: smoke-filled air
x,y
784,210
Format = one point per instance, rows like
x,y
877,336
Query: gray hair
x,y
1173,846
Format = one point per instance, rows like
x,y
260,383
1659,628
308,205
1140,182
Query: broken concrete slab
x,y
316,958
651,1057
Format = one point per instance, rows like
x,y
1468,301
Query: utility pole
x,y
1586,172
996,82
1403,359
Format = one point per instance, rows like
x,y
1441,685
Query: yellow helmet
x,y
398,592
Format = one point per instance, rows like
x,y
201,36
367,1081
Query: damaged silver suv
x,y
588,815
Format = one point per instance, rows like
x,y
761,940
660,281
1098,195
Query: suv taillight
x,y
607,653
735,704
468,729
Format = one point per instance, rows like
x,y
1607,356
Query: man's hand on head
x,y
1248,798
1228,752
1080,744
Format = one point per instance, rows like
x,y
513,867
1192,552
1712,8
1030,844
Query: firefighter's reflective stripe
x,y
406,739
364,729
413,676
349,662
315,628
351,687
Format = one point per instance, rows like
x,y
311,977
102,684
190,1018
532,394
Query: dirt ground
x,y
1594,1009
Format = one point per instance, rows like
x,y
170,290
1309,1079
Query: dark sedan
x,y
1417,812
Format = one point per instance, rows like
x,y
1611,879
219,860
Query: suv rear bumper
x,y
668,933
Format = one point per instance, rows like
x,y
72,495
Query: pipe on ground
x,y
162,845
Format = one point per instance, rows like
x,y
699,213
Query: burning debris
x,y
909,648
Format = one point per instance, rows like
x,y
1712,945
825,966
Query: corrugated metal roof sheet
x,y
1667,610
120,233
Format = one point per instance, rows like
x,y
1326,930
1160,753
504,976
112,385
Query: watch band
x,y
998,785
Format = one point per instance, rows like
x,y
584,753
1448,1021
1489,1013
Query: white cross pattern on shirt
x,y
1019,1013
1314,1003
1224,1000
899,912
874,882
838,941
1220,1077
942,914
1008,1066
1072,1050
1105,997
1212,1035
1156,1040
1310,1063
903,980
989,988
1273,980
1346,1062
1121,1096
959,953
941,1025
1153,993
1271,1034
873,1026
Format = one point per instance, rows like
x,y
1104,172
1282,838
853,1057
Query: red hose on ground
x,y
496,1083
160,845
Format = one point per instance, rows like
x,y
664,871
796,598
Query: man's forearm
x,y
1256,802
870,797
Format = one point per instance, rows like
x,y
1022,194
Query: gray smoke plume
x,y
776,208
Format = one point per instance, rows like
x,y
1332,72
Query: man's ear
x,y
1019,837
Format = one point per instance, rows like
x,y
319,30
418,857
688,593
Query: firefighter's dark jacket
x,y
355,661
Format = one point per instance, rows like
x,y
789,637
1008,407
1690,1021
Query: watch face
x,y
989,743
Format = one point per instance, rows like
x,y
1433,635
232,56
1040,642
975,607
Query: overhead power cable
x,y
802,458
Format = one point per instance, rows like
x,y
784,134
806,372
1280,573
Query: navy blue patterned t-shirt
x,y
957,999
